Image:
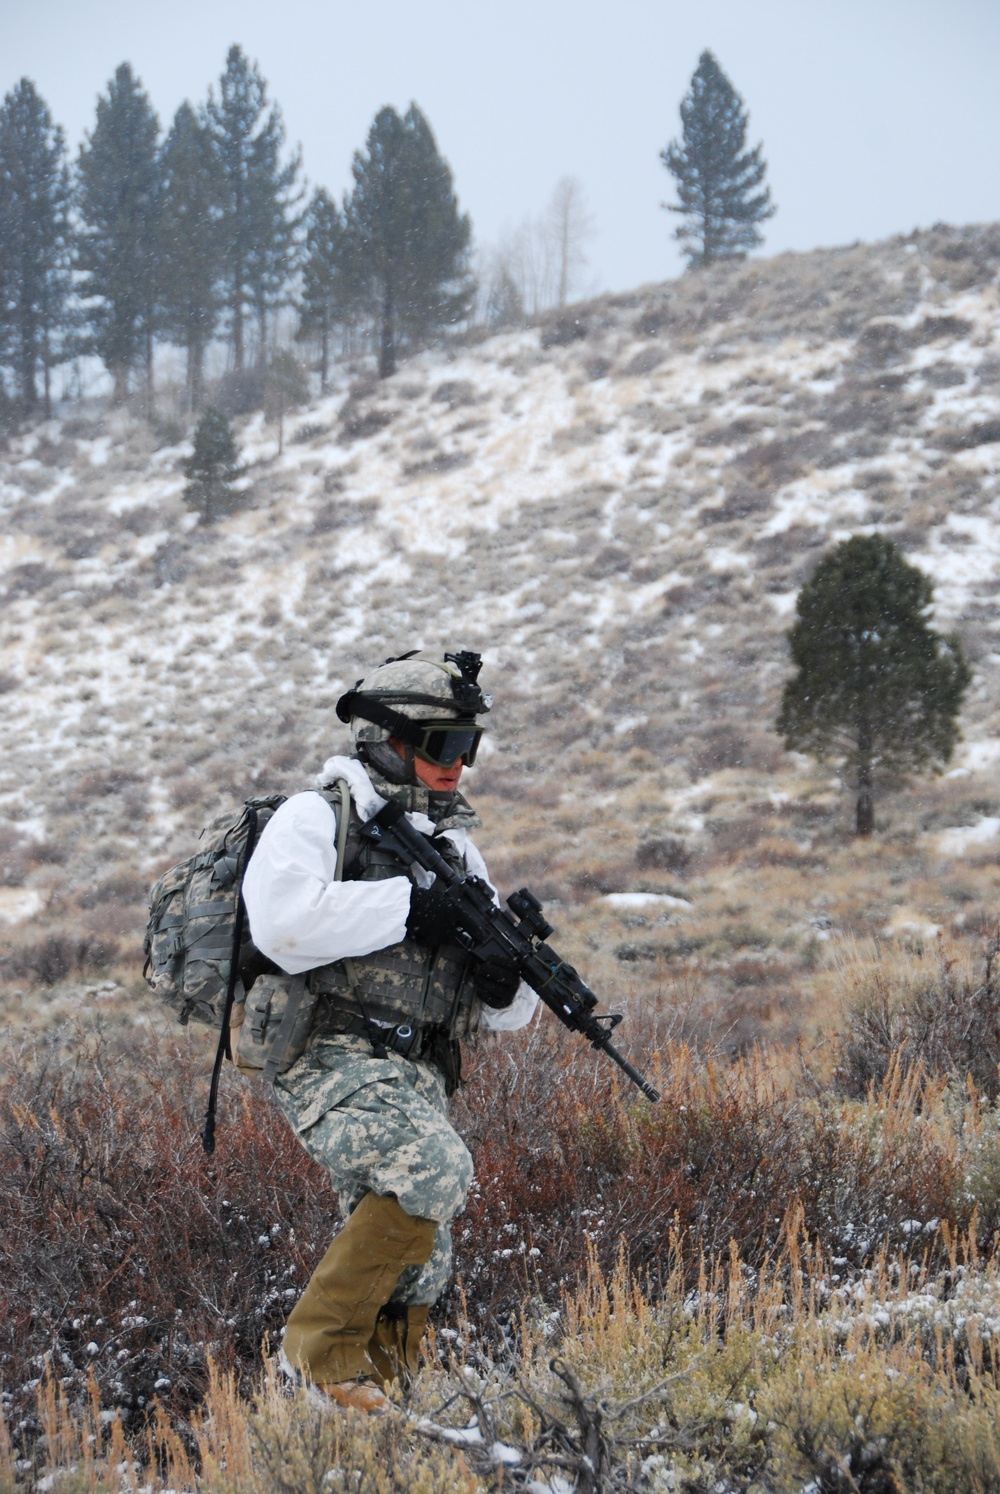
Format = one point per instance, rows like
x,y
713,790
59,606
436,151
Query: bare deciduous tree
x,y
540,263
569,225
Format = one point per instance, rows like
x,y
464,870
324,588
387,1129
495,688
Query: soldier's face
x,y
440,779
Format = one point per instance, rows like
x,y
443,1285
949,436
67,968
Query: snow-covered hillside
x,y
616,507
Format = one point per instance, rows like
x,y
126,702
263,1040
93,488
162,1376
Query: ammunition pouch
x,y
273,1024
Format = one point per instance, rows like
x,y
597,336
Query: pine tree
x,y
189,243
329,277
118,201
212,467
410,238
876,685
719,181
258,222
34,241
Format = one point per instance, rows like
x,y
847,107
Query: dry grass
x,y
808,1273
749,1381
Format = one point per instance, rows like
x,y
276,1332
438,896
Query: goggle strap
x,y
394,722
410,733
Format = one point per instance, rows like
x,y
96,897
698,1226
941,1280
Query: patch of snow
x,y
622,726
721,559
19,903
817,500
915,926
97,451
975,756
958,840
468,1436
503,1453
644,900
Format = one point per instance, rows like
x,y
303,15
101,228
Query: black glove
x,y
495,981
431,919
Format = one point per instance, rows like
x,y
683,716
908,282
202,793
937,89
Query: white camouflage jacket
x,y
300,917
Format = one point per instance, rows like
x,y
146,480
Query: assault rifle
x,y
489,931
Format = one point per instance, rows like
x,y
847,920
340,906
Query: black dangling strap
x,y
224,1051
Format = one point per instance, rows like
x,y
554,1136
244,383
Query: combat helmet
x,y
429,707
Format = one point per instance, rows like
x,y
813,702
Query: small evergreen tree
x,y
719,181
876,685
258,194
212,467
118,202
330,294
34,241
189,243
410,239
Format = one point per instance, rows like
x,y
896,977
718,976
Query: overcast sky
x,y
877,116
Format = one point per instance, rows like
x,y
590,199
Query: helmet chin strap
x,y
386,761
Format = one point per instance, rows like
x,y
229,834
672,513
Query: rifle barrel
x,y
558,985
652,1095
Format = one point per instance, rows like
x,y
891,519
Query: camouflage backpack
x,y
193,912
195,935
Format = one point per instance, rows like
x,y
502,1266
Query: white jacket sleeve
x,y
300,917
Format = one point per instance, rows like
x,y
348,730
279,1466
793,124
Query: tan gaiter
x,y
331,1325
394,1347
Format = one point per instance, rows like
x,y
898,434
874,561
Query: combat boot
x,y
331,1326
356,1395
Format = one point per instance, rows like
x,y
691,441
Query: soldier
x,y
396,997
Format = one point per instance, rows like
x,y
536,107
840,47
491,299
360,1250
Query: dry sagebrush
x,y
745,1381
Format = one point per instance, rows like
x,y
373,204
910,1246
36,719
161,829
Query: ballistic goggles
x,y
443,741
444,744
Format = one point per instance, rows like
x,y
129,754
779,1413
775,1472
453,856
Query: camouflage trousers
x,y
380,1125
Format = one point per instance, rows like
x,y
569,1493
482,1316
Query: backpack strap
x,y
371,1031
224,1051
297,988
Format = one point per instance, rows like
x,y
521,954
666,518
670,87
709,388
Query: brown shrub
x,y
56,957
772,464
27,579
934,328
667,853
562,329
455,393
18,857
100,783
644,362
125,886
733,836
569,1162
125,1250
127,1253
949,1024
359,421
985,433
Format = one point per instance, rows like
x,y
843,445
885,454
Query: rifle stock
x,y
515,932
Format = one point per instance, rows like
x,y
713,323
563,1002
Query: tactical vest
x,y
405,983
